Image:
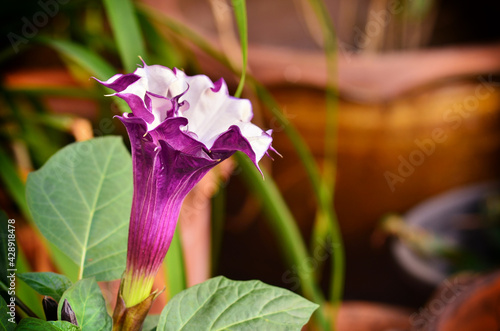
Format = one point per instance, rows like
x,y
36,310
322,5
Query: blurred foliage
x,y
94,38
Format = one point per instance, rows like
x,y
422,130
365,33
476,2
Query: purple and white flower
x,y
180,127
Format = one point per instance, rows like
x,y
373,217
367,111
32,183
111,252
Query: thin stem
x,y
330,169
240,13
287,232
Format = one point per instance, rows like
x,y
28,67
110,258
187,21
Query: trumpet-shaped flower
x,y
180,127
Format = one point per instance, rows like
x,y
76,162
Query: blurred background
x,y
417,108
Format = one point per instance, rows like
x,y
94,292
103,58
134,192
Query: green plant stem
x,y
217,217
240,13
286,230
128,36
279,214
329,166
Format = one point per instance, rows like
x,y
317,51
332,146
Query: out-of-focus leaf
x,y
87,59
123,20
163,51
174,266
11,180
5,324
46,283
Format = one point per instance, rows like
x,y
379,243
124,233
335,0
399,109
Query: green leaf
x,y
23,292
17,190
123,21
223,304
5,325
80,200
35,324
46,283
65,326
88,60
89,306
84,57
10,178
150,323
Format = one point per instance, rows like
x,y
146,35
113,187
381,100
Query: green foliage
x,y
223,304
5,325
11,180
46,283
174,266
65,326
35,324
4,247
125,26
88,304
240,13
150,323
80,200
84,57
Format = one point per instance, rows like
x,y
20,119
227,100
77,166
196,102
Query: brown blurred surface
x,y
371,140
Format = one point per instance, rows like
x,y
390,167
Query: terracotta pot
x,y
463,305
366,316
391,155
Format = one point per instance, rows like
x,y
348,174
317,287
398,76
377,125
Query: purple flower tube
x,y
180,127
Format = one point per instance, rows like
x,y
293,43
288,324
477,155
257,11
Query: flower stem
x,y
131,318
330,169
287,232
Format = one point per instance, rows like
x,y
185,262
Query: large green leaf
x,y
80,200
5,324
86,300
46,283
223,304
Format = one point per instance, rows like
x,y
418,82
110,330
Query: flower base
x,y
131,318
